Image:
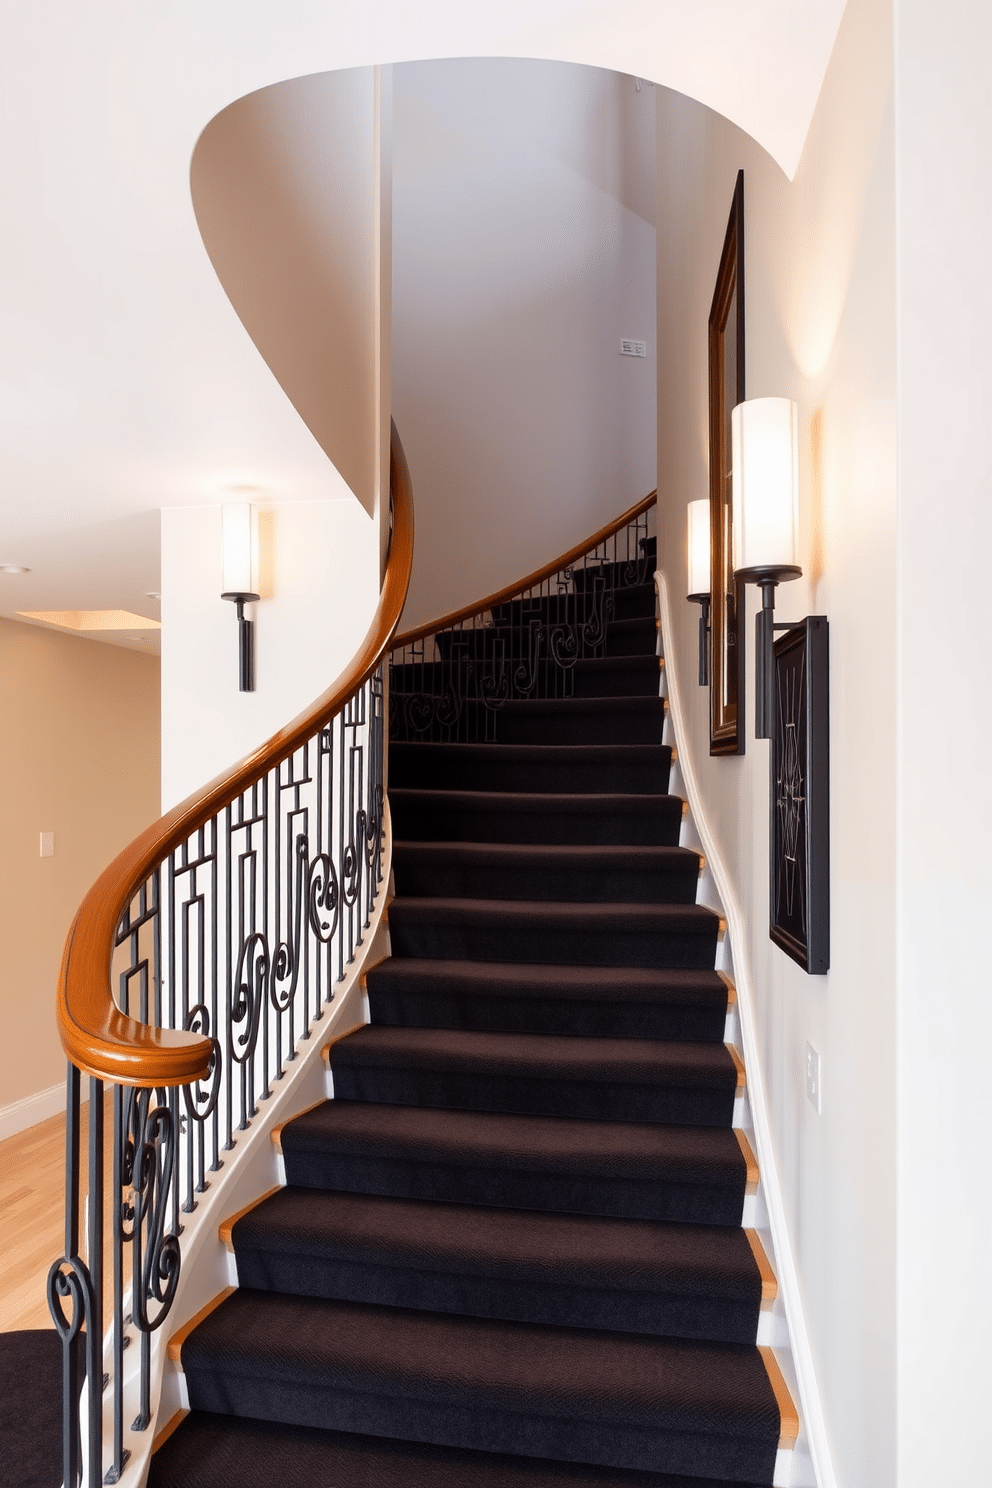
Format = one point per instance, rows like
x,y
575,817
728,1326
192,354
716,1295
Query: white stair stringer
x,y
783,1327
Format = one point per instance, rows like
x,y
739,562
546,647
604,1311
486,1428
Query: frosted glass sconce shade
x,y
765,438
766,485
698,571
698,548
240,550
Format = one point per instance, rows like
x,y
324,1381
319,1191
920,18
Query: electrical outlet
x,y
814,1084
46,845
630,347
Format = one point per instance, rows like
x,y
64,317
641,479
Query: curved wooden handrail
x,y
513,590
95,1034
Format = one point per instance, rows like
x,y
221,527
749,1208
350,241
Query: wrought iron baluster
x,y
94,1322
246,957
69,1278
211,844
119,1339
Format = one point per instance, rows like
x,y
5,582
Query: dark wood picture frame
x,y
726,378
799,834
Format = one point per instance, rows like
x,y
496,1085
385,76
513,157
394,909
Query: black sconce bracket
x,y
246,641
703,600
767,578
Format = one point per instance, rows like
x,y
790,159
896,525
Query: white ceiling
x,y
127,382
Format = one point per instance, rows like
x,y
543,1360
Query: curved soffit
x,y
126,382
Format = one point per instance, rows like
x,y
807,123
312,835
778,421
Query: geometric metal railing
x,y
219,955
449,681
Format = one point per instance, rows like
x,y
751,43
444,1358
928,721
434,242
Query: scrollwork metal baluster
x,y
253,944
69,1278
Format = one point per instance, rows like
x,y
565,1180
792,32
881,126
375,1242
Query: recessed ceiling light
x,y
91,620
13,568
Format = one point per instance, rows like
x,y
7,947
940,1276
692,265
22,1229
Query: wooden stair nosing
x,y
170,1426
789,1415
226,1229
175,1348
747,1152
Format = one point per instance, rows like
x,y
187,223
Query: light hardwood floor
x,y
32,1210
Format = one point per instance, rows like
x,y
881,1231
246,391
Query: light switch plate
x,y
814,1084
46,845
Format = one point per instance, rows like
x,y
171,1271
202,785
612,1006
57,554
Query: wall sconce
x,y
240,552
698,570
766,522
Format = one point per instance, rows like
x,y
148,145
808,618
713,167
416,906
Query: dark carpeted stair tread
x,y
538,1074
590,720
541,1055
509,1254
616,676
693,1174
561,933
517,816
218,1451
544,871
628,598
603,1001
571,1270
642,769
624,1400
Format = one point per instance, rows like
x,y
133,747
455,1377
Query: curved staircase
x,y
509,1252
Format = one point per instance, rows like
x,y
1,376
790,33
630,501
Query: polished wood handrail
x,y
96,1036
512,591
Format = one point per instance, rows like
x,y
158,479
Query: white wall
x,y
943,724
523,251
820,259
319,586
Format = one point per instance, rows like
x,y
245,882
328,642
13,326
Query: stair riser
x,y
522,675
483,1013
574,725
627,681
333,1406
503,645
216,1455
567,944
590,609
545,883
633,826
719,1203
633,638
713,1319
561,774
414,719
587,1099
622,578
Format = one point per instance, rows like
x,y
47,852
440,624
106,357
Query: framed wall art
x,y
726,378
800,796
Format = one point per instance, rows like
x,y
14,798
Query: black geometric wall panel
x,y
800,796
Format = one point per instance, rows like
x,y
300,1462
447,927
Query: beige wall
x,y
820,328
79,756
